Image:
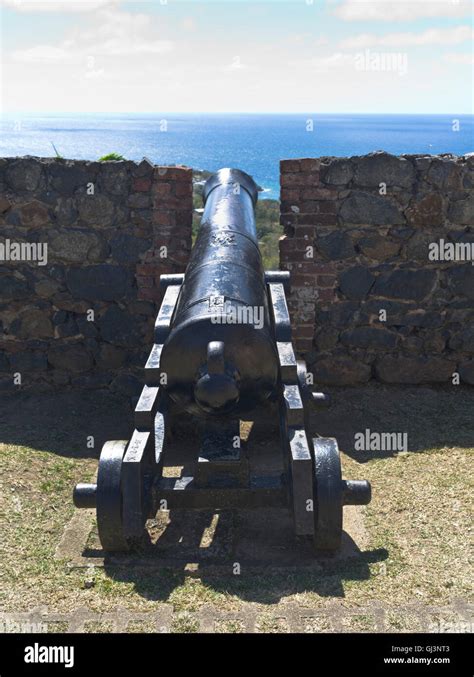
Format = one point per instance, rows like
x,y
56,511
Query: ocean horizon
x,y
253,142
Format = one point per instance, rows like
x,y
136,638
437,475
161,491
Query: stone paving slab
x,y
335,617
197,540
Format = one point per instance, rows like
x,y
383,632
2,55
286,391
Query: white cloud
x,y
114,33
42,54
235,65
432,36
333,62
117,60
56,5
401,10
459,58
94,74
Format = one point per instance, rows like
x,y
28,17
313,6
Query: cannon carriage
x,y
222,349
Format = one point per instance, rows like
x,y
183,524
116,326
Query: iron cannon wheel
x,y
328,494
109,496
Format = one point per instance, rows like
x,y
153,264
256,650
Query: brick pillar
x,y
171,216
305,208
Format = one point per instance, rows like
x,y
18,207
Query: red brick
x,y
326,280
305,331
327,207
286,244
287,207
144,281
309,164
166,202
163,218
319,194
290,194
141,185
160,242
180,232
181,257
180,244
173,174
305,266
144,269
149,294
296,255
327,220
183,189
184,218
324,268
161,188
299,179
287,166
303,345
309,207
308,219
302,244
301,231
317,219
186,203
326,295
290,180
302,281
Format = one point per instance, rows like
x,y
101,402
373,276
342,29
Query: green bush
x,y
111,157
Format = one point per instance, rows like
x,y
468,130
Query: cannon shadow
x,y
267,586
60,421
252,556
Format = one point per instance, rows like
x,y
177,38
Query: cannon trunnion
x,y
222,348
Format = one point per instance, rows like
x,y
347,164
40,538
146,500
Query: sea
x,y
254,143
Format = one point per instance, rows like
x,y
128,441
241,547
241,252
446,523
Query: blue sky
x,y
366,56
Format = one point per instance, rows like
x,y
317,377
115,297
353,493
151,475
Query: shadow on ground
x,y
251,555
61,422
263,587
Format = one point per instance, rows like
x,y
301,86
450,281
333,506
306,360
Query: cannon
x,y
223,349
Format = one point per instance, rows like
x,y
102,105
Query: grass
x,y
417,529
58,155
111,157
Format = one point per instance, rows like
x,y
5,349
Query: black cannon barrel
x,y
220,356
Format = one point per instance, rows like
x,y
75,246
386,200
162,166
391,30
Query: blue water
x,y
254,143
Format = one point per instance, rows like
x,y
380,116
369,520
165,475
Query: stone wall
x,y
367,301
85,318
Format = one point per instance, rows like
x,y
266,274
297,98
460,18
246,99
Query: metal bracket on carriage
x,y
317,490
